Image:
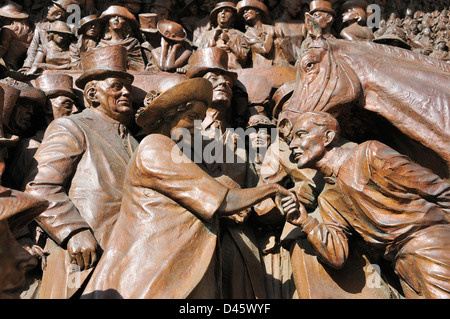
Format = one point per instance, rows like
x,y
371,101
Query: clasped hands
x,y
290,207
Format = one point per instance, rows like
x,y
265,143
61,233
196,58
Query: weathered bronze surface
x,y
253,149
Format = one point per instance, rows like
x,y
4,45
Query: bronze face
x,y
114,97
308,143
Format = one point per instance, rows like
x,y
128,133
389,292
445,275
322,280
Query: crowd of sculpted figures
x,y
238,149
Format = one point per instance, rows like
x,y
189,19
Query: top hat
x,y
180,92
147,21
13,10
171,30
7,97
321,5
120,11
259,5
84,23
218,7
56,84
103,62
19,208
210,59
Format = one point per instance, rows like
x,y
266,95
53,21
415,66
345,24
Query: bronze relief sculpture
x,y
397,206
248,149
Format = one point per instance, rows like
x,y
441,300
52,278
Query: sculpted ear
x,y
90,93
285,127
329,137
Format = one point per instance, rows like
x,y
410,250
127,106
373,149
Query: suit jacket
x,y
81,166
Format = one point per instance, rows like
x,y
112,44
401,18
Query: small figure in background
x,y
174,52
55,54
89,34
354,17
225,36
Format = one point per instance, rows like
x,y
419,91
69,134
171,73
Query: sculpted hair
x,y
323,119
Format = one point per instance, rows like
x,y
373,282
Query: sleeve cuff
x,y
309,224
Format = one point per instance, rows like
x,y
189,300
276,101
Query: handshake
x,y
290,207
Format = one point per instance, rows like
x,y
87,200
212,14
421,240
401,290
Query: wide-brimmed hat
x,y
148,22
13,10
210,59
171,30
394,36
260,120
19,208
321,5
5,96
56,84
158,103
218,7
61,27
259,5
120,11
103,62
87,20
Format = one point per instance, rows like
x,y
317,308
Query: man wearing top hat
x,y
224,36
80,170
319,21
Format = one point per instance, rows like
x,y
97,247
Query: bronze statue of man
x,y
80,170
400,209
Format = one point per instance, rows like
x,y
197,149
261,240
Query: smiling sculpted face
x,y
114,98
